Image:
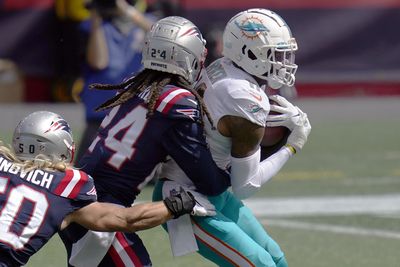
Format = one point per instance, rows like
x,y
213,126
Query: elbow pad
x,y
249,174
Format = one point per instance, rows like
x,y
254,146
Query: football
x,y
273,135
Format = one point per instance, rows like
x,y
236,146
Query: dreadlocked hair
x,y
156,80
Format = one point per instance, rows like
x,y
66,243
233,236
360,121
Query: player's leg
x,y
221,240
104,249
89,248
126,250
236,211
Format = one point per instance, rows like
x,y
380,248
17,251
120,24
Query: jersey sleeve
x,y
186,144
178,103
75,185
240,100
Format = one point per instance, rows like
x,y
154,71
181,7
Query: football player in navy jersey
x,y
40,193
156,115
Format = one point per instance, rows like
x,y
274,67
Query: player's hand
x,y
288,116
180,203
298,137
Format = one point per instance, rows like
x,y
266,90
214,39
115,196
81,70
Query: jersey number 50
x,y
10,212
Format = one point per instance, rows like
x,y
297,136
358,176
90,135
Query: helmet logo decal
x,y
189,112
194,31
191,31
60,124
251,27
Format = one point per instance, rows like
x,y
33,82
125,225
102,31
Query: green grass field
x,y
343,158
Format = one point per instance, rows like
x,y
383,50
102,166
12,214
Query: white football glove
x,y
298,137
289,114
199,210
203,206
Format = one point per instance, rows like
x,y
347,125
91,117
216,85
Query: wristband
x,y
291,148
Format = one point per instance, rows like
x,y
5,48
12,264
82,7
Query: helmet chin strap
x,y
275,82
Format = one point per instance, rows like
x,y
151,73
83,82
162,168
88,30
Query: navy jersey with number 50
x,y
33,205
129,146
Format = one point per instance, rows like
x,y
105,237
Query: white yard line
x,y
273,211
330,205
331,228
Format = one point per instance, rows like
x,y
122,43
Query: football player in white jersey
x,y
257,46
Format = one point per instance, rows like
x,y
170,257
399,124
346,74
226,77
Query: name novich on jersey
x,y
37,177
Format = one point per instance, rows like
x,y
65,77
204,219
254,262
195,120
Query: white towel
x,y
91,249
180,230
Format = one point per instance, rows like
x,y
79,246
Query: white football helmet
x,y
175,45
260,42
45,133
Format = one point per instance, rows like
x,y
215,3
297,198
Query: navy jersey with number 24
x,y
129,146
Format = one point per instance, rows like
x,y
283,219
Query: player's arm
x,y
185,141
246,136
248,174
109,217
186,144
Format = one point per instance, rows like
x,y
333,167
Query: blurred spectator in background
x,y
10,81
44,49
165,8
112,42
213,35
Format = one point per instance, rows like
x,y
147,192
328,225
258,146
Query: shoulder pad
x,y
239,99
178,103
76,185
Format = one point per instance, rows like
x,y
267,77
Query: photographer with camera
x,y
111,43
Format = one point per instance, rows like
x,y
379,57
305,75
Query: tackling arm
x,y
108,217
